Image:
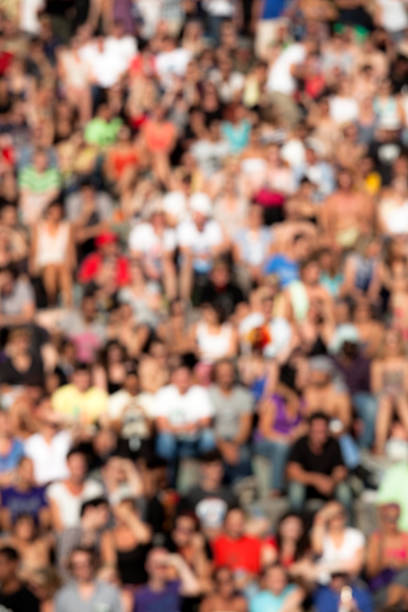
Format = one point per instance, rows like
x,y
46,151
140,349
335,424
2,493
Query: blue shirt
x,y
265,601
327,600
272,9
10,461
282,266
167,600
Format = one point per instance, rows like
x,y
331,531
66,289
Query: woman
x,y
44,583
389,380
224,597
125,545
280,422
215,339
53,254
393,207
187,541
35,550
387,558
110,372
340,548
276,594
290,543
22,364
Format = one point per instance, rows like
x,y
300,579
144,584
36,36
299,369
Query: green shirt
x,y
101,132
394,489
39,182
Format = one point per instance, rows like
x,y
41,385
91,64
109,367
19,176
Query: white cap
x,y
174,204
201,203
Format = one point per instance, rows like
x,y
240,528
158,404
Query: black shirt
x,y
324,463
20,601
209,506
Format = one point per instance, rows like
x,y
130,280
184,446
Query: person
x,y
183,414
328,598
236,550
209,500
224,597
39,184
386,563
276,593
315,466
79,400
233,412
65,497
169,580
14,595
85,590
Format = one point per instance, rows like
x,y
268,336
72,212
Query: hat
x,y
201,203
174,204
346,332
105,238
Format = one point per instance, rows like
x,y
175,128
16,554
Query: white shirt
x,y
220,8
69,505
394,16
343,110
279,77
170,63
105,65
123,49
352,543
29,10
49,459
183,409
143,238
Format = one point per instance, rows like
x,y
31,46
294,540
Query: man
x,y
39,185
66,497
79,401
83,327
24,497
315,466
220,290
236,550
17,305
209,499
14,596
85,592
233,410
169,579
183,416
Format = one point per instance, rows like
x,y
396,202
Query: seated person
x,y
315,467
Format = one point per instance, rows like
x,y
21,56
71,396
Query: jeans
x,y
297,494
349,451
277,453
171,448
242,469
366,407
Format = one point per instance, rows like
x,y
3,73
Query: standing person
x,y
169,579
86,592
53,254
14,595
315,466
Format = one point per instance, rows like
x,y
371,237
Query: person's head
x,y
224,373
25,471
54,212
318,429
345,180
77,465
393,345
125,507
389,514
9,562
320,371
336,518
224,581
24,527
201,209
338,580
107,244
88,307
131,382
44,582
234,523
211,315
82,564
290,527
300,247
157,566
182,379
40,160
95,513
185,525
275,579
211,468
220,274
7,279
310,271
81,377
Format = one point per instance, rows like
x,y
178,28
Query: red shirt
x,y
91,266
244,553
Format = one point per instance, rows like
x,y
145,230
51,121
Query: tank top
x,y
213,346
283,423
52,248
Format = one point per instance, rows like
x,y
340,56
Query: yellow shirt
x,y
76,405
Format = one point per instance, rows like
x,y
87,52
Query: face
x,y
337,516
389,515
54,214
77,466
156,564
210,315
291,527
8,569
220,276
212,471
225,582
25,470
40,162
392,343
318,432
81,566
311,274
235,523
275,580
182,379
82,380
24,528
183,530
225,374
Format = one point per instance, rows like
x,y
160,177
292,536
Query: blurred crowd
x,y
203,305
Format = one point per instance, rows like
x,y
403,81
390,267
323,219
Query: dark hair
x,y
92,503
85,550
10,553
318,416
75,450
81,366
303,542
